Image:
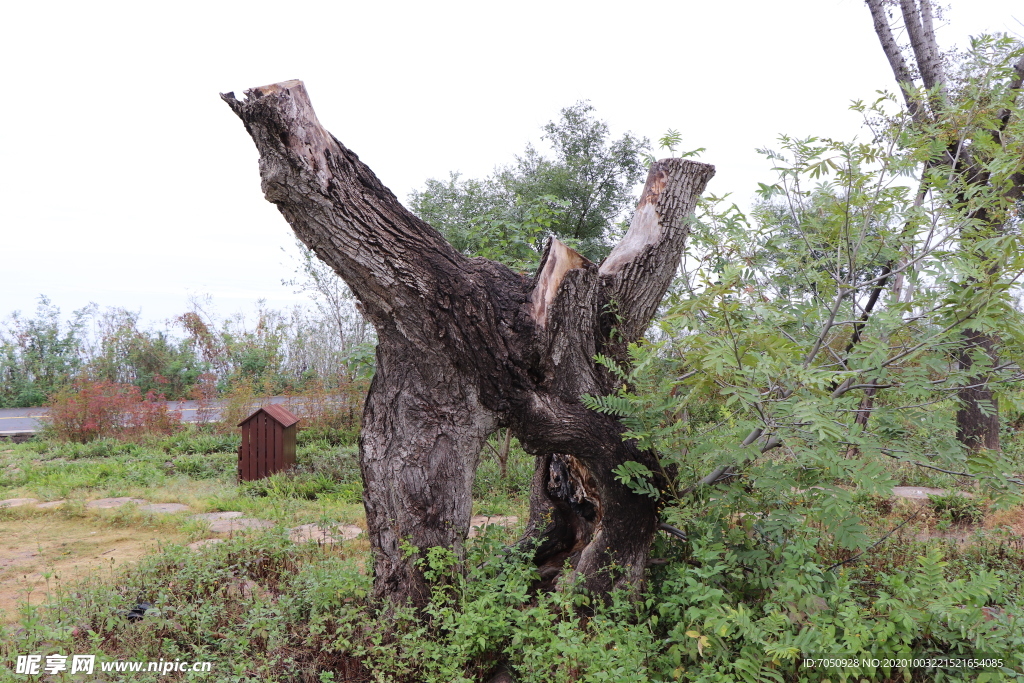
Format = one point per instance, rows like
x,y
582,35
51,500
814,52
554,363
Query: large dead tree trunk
x,y
467,346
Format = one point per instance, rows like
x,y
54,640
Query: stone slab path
x,y
920,494
164,508
17,502
227,526
214,516
108,503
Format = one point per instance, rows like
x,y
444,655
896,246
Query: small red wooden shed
x,y
268,443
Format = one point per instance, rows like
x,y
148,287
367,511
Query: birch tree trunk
x,y
467,346
978,417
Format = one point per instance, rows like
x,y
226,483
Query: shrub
x,y
204,393
330,413
88,410
239,402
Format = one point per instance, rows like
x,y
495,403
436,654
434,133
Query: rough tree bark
x,y
467,346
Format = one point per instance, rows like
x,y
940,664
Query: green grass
x,y
263,608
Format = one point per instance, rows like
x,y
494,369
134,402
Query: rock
x,y
17,502
227,526
919,494
106,503
480,521
52,504
331,534
214,516
164,508
205,542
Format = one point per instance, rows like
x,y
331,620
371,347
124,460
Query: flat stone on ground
x,y
17,502
332,534
106,503
52,504
226,526
205,542
478,522
164,508
214,516
921,493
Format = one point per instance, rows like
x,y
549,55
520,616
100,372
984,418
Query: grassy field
x,y
261,607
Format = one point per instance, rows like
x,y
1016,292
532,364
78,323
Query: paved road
x,y
26,420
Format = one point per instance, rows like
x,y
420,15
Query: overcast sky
x,y
127,182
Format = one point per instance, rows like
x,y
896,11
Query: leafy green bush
x,y
116,475
305,485
490,483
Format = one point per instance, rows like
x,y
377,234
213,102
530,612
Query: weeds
x,y
742,601
957,508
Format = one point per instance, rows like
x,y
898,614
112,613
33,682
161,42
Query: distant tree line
x,y
273,351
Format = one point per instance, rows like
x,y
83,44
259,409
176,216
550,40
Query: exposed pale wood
x,y
641,267
558,260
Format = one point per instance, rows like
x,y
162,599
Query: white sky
x,y
127,182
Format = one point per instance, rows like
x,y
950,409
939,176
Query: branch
x,y
725,471
876,290
558,259
640,268
338,207
895,57
922,39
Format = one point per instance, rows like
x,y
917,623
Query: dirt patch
x,y
66,549
1012,518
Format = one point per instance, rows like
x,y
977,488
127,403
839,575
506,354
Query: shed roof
x,y
278,413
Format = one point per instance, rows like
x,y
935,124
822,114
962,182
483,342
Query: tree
x,y
975,118
785,327
150,360
348,339
467,346
40,355
577,196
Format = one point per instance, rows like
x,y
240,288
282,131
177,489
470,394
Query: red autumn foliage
x,y
87,410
